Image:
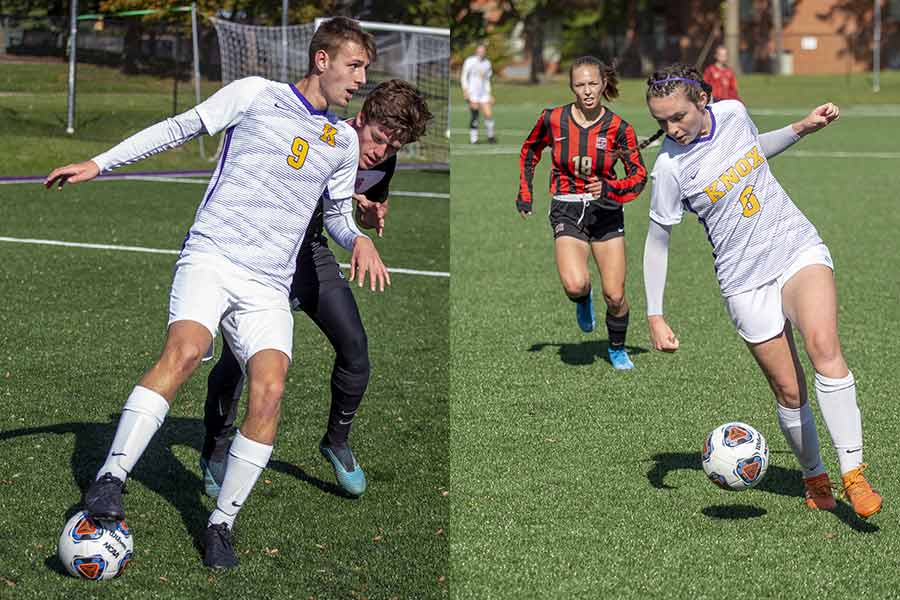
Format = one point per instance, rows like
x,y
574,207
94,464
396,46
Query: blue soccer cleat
x,y
584,314
213,476
349,474
619,359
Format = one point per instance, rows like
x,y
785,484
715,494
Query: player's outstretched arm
x,y
223,109
74,173
656,264
818,118
777,141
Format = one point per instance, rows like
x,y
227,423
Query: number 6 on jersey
x,y
749,202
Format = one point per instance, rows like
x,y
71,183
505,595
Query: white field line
x,y
501,150
869,111
164,251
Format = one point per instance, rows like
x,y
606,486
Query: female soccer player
x,y
586,213
773,269
475,79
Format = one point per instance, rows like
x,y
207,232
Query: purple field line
x,y
39,178
197,173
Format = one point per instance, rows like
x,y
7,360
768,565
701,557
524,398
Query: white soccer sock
x,y
142,415
489,125
246,460
837,401
799,428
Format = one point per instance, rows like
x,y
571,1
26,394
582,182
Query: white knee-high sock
x,y
489,125
246,460
799,428
142,415
837,401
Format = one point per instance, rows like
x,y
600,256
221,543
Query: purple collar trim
x,y
712,129
305,102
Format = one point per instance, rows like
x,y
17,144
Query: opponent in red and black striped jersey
x,y
580,153
586,140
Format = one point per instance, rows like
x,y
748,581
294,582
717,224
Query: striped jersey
x,y
372,182
580,152
755,229
279,156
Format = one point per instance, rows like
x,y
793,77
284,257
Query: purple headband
x,y
684,79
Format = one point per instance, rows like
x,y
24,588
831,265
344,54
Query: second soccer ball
x,y
735,456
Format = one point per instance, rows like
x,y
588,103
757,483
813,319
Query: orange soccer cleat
x,y
866,501
818,492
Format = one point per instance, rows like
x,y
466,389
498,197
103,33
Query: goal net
x,y
419,55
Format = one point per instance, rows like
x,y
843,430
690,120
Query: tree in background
x,y
857,24
43,8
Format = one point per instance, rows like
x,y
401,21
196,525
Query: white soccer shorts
x,y
208,289
757,314
479,95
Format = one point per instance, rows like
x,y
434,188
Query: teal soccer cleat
x,y
349,474
584,314
619,359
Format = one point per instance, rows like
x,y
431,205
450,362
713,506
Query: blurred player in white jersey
x,y
282,151
475,79
773,269
393,114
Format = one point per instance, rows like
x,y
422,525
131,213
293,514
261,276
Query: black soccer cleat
x,y
103,500
218,547
492,140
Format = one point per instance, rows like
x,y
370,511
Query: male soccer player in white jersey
x,y
475,79
282,151
774,271
393,114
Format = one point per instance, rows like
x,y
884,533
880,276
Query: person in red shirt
x,y
721,77
586,140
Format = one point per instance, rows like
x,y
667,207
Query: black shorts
x,y
597,225
317,273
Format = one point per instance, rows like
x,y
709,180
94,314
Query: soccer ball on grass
x,y
735,456
93,549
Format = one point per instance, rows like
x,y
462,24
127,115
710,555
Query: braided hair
x,y
677,76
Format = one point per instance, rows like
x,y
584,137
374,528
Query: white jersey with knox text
x,y
756,231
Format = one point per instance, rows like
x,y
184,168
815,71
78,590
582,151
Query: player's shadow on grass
x,y
159,469
778,480
584,353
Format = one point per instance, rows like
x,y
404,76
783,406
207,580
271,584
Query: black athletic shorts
x,y
597,225
317,273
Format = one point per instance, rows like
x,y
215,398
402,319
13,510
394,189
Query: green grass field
x,y
79,326
570,480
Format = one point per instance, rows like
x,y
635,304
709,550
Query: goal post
x,y
419,55
98,21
